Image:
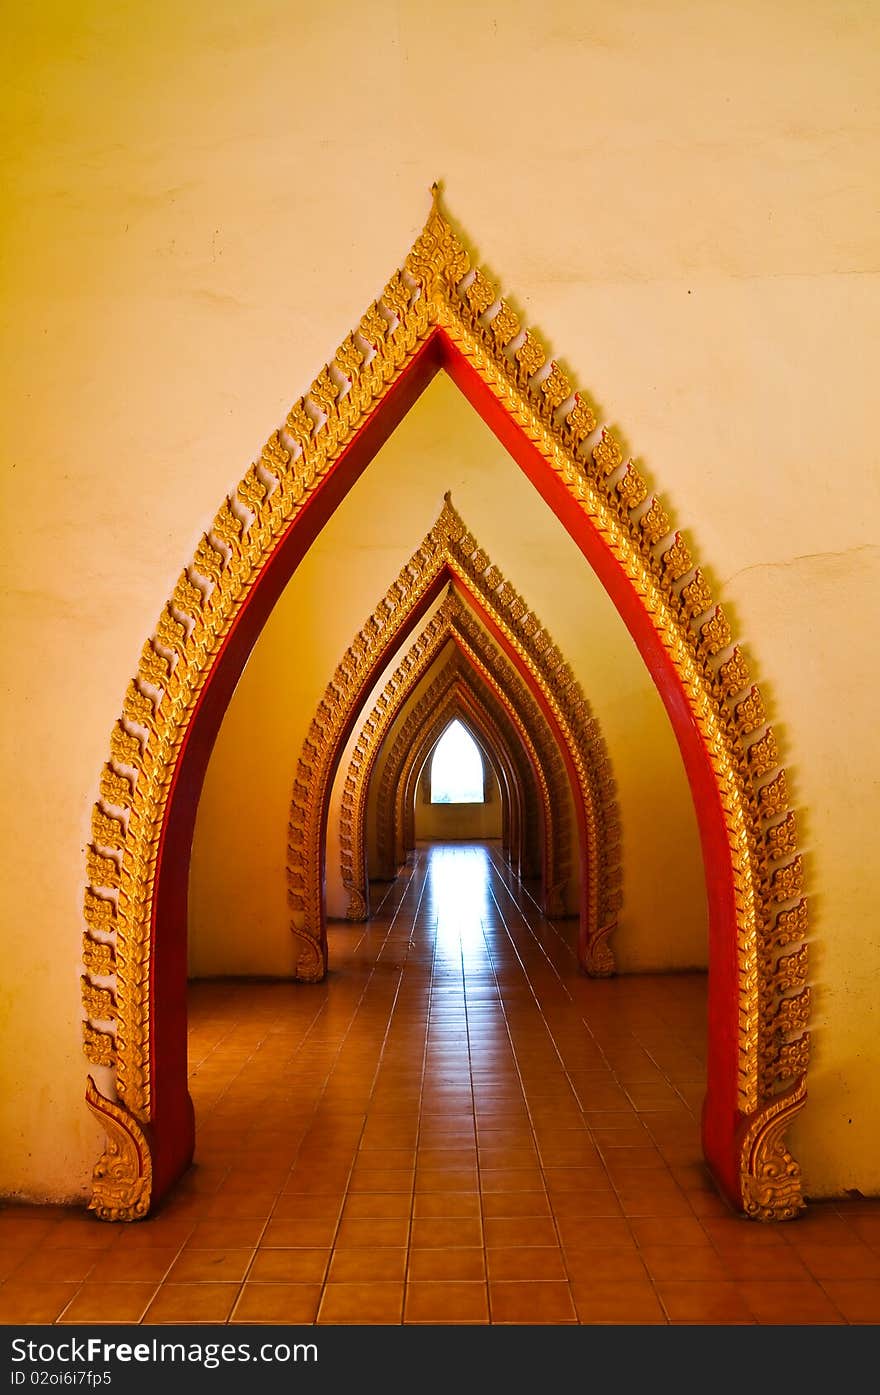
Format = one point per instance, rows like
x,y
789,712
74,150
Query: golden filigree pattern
x,y
209,596
123,1176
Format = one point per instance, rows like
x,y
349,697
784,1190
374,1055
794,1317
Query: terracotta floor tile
x,y
308,1233
225,1235
448,1180
292,1266
203,1266
362,1303
684,1262
391,1180
364,1265
626,1301
766,1264
446,1302
840,1261
372,1233
502,1231
445,1232
532,1302
699,1301
192,1303
668,1230
26,1234
27,1302
100,1302
857,1299
588,1232
525,1262
71,1233
515,1204
446,1159
789,1302
450,1264
376,1205
127,1266
464,1205
511,1179
277,1303
48,1265
602,1263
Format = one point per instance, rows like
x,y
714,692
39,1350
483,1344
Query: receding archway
x,y
438,313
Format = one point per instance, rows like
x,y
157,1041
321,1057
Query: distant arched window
x,y
457,768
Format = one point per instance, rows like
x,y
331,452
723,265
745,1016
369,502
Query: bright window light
x,y
457,768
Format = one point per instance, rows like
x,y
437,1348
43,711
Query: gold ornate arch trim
x,y
440,312
449,548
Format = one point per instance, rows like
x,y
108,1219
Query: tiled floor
x,y
456,1127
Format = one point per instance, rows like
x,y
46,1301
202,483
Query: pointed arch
x,y
392,798
449,551
593,787
479,663
440,312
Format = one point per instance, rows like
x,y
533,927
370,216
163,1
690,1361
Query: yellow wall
x,y
201,201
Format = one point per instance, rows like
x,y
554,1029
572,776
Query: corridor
x,y
456,1126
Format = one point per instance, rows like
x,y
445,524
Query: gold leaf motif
x,y
750,712
715,633
676,558
208,561
773,797
99,912
763,754
769,1175
791,970
227,525
631,487
170,632
791,925
654,522
781,839
555,386
607,454
734,673
504,326
123,1176
124,747
298,424
787,882
480,293
373,326
98,957
251,491
99,1047
397,295
793,1058
98,1003
137,707
153,668
114,788
102,871
107,831
188,598
324,391
530,355
793,1014
581,420
349,358
696,595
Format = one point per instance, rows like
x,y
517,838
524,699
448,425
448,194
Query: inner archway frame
x,y
439,312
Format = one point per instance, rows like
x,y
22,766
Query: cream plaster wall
x,y
200,201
